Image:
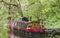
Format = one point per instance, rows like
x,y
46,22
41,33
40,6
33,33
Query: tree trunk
x,y
20,9
9,12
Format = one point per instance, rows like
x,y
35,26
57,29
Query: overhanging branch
x,y
8,3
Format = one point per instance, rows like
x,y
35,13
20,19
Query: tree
x,y
18,5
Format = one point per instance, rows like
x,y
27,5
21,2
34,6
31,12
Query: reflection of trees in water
x,y
41,36
34,36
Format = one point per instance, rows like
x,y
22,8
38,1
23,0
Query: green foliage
x,y
49,10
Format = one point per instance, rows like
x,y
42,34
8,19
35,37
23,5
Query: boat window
x,y
29,25
14,23
36,25
24,25
18,23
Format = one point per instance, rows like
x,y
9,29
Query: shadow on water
x,y
35,35
40,36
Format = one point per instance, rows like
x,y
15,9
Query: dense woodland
x,y
48,10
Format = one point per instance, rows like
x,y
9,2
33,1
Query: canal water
x,y
35,35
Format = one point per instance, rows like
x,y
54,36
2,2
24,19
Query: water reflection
x,y
35,35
